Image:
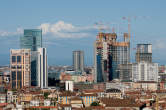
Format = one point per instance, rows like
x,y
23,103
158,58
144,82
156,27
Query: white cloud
x,y
7,33
66,30
45,27
59,29
159,45
4,33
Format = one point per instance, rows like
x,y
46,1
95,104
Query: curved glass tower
x,y
32,39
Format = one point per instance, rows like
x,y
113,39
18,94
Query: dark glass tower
x,y
32,39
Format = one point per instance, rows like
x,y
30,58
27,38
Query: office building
x,y
78,61
32,40
108,54
144,53
20,66
42,76
34,67
145,71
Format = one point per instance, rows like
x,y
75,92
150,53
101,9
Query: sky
x,y
69,25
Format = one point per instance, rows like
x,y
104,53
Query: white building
x,y
42,76
69,86
144,71
2,97
34,103
47,102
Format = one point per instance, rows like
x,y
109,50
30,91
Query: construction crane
x,y
129,25
129,19
101,26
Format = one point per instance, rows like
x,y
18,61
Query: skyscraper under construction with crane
x,y
108,54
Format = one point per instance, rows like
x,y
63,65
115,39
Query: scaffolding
x,y
112,54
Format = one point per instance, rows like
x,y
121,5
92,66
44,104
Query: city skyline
x,y
82,55
68,29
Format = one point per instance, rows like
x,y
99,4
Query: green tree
x,y
46,95
95,104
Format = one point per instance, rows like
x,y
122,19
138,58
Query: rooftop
x,y
110,102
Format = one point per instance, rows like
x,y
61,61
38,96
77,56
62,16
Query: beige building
x,y
20,68
145,85
113,93
76,102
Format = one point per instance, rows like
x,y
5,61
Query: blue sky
x,y
69,25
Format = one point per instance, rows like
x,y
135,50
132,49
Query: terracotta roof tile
x,y
119,102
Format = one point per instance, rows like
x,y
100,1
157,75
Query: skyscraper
x,y
108,54
42,76
144,53
32,39
20,66
78,61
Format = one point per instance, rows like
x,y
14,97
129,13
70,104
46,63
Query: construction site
x,y
109,54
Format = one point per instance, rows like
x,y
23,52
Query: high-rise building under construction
x,y
144,53
108,54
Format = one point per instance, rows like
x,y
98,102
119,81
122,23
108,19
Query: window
x,y
13,67
13,59
19,67
13,79
19,81
18,58
26,54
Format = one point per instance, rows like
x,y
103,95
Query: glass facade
x,y
18,58
99,69
13,59
34,65
120,55
32,39
112,54
13,79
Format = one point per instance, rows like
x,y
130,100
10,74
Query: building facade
x,y
20,68
144,53
32,39
108,54
125,72
78,61
145,71
69,85
42,76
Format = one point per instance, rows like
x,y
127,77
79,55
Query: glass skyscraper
x,y
32,39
